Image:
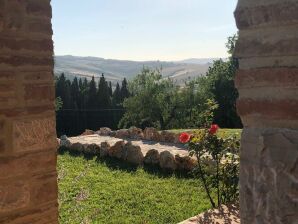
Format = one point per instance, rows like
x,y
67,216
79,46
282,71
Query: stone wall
x,y
268,85
28,179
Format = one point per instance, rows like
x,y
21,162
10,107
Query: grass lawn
x,y
222,132
92,191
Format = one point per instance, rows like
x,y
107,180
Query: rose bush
x,y
218,163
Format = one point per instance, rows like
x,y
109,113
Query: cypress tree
x,y
110,89
75,92
117,95
80,84
85,84
63,91
103,94
124,90
92,99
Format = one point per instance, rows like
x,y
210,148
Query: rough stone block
x,y
14,195
93,149
117,150
27,44
260,15
269,175
104,149
42,214
134,154
39,8
272,77
14,20
44,189
167,161
34,134
152,157
18,61
37,163
38,77
286,109
38,26
39,93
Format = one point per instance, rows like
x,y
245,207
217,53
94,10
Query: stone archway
x,y
268,104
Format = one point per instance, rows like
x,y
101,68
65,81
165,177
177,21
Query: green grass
x,y
92,191
222,132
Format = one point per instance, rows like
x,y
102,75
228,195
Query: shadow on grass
x,y
117,164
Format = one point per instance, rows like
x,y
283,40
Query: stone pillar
x,y
268,105
28,178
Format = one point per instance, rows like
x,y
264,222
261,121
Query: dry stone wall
x,y
28,179
268,105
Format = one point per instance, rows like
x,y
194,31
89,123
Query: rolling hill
x,y
116,70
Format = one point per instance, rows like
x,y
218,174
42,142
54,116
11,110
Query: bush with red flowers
x,y
218,164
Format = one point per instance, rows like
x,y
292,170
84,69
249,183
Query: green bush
x,y
218,165
218,160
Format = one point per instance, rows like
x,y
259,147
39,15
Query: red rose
x,y
184,137
213,129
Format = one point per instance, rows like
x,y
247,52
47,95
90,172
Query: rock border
x,y
125,150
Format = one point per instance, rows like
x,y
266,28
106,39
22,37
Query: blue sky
x,y
143,29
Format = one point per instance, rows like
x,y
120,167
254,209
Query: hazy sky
x,y
143,29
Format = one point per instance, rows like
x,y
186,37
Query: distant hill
x,y
198,61
116,70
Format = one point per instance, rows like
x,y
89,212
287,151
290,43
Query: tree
x,y
75,92
110,89
92,95
152,101
124,90
63,91
103,93
116,100
218,84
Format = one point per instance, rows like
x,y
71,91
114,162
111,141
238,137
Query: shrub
x,y
218,161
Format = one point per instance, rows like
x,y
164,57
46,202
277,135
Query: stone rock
x,y
113,133
104,131
167,161
64,142
104,149
185,162
63,137
152,157
88,132
77,147
93,149
117,150
167,136
135,133
122,133
176,140
151,134
133,154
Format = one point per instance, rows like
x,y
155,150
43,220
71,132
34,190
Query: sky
x,y
140,30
